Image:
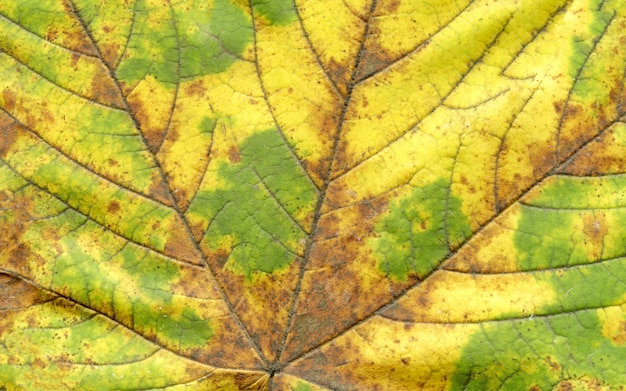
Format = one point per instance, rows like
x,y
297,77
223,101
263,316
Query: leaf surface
x,y
313,195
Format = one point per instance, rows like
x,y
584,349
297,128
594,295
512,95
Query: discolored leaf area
x,y
312,195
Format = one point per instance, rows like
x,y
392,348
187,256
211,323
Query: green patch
x,y
259,215
543,239
570,192
540,353
207,125
302,386
418,231
573,221
587,71
212,40
188,40
579,287
9,180
279,12
152,46
183,330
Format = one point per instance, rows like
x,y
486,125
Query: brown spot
x,y
77,41
197,230
553,365
9,137
601,156
620,337
342,252
595,227
8,98
340,74
159,191
372,60
542,160
196,88
387,7
109,53
113,163
52,34
16,294
74,61
565,386
173,134
180,246
182,200
103,90
16,254
153,136
114,207
233,154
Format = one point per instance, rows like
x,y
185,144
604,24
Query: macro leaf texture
x,y
312,195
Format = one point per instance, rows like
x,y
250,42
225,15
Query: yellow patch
x,y
452,297
613,322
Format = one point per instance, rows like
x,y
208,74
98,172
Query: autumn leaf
x,y
278,195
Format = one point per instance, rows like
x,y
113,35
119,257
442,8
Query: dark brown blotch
x,y
114,207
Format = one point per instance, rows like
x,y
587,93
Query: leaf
x,y
312,195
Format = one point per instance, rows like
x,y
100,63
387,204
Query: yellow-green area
x,y
419,231
46,19
131,215
79,259
127,282
62,346
258,215
541,352
97,137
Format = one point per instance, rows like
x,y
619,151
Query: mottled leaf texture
x,y
312,195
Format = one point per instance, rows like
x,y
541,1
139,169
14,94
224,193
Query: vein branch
x,y
168,189
276,365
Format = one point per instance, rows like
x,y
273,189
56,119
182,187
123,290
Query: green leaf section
x,y
580,69
302,386
419,230
64,347
280,12
574,229
185,40
573,221
540,353
213,40
262,210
